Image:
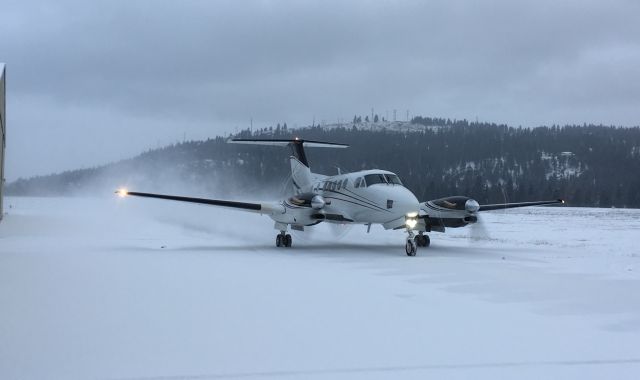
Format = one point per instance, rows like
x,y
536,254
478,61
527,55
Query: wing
x,y
262,208
501,206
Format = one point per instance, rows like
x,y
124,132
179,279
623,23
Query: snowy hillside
x,y
141,289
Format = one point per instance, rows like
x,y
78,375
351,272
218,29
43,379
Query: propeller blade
x,y
339,230
478,231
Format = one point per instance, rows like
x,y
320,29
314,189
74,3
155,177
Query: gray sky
x,y
94,81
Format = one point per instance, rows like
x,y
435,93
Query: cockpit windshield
x,y
372,179
391,179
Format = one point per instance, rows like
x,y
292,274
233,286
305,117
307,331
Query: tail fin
x,y
300,171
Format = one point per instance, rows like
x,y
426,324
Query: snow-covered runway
x,y
145,289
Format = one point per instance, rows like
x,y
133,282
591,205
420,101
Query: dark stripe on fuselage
x,y
368,202
363,197
348,201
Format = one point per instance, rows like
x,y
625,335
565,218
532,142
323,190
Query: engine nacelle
x,y
311,200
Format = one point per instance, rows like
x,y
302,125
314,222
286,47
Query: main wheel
x,y
279,242
287,240
419,240
410,247
426,241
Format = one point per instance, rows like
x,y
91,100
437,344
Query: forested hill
x,y
587,165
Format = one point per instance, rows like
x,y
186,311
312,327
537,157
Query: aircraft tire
x,y
426,241
287,240
410,247
279,242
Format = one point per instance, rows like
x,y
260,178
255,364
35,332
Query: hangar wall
x,y
3,128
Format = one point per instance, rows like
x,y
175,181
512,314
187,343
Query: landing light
x,y
122,193
412,214
411,222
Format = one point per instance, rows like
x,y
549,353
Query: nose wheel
x,y
410,247
283,240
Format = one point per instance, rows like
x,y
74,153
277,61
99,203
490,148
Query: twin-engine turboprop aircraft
x,y
364,197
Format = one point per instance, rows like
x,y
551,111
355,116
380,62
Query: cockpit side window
x,y
373,179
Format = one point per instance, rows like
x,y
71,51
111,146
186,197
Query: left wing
x,y
501,206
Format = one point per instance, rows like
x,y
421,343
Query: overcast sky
x,y
90,82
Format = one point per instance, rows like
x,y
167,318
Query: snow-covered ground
x,y
146,289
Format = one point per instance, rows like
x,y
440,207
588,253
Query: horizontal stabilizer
x,y
297,146
306,143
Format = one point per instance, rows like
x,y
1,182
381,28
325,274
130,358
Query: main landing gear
x,y
283,239
422,240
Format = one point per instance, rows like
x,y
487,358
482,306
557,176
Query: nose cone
x,y
404,202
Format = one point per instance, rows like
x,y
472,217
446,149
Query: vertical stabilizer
x,y
300,172
300,175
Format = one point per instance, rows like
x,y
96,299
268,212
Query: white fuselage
x,y
362,201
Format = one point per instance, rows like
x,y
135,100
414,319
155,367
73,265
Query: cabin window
x,y
339,185
372,179
344,184
325,186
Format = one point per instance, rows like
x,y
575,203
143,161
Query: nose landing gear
x,y
414,241
411,246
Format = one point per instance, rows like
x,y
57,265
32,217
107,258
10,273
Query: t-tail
x,y
301,174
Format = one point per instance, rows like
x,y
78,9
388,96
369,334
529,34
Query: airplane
x,y
364,197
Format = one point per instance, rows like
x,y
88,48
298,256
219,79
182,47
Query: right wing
x,y
262,208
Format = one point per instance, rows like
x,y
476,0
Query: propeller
x,y
339,230
477,231
316,202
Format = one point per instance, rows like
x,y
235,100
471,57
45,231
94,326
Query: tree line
x,y
588,165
